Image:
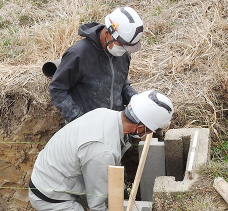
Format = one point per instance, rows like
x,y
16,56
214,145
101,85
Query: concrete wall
x,y
176,145
154,167
171,166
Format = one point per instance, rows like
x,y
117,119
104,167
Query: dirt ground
x,y
31,125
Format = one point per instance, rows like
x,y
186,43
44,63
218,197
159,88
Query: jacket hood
x,y
90,31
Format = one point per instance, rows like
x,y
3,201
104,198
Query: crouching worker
x,y
75,160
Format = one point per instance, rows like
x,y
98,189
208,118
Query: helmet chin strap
x,y
136,133
109,42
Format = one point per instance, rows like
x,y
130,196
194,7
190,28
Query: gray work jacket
x,y
75,160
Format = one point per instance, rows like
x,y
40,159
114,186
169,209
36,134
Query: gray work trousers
x,y
41,205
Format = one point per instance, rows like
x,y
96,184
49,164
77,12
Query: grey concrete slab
x,y
140,205
154,167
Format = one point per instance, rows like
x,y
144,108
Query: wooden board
x,y
139,172
115,188
222,187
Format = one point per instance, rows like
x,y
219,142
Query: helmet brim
x,y
132,48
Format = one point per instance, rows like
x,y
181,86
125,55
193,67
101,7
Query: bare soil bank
x,y
30,126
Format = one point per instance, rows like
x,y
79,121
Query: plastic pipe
x,y
50,67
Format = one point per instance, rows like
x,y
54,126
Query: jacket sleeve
x,y
127,92
95,174
66,76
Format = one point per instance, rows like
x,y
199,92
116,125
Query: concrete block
x,y
154,166
140,206
202,155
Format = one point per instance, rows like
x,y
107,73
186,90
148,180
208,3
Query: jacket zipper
x,y
111,97
112,84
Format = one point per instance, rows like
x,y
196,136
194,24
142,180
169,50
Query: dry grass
x,y
202,195
184,54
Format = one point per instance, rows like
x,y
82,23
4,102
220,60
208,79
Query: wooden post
x,y
222,187
115,188
139,172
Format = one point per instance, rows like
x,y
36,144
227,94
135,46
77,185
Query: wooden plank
x,y
139,172
222,187
115,188
192,157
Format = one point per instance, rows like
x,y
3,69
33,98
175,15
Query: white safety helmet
x,y
152,108
125,25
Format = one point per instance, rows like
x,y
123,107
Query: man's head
x,y
125,28
151,109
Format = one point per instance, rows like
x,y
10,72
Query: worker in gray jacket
x,y
93,72
75,160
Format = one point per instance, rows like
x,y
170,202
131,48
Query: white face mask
x,y
137,136
116,50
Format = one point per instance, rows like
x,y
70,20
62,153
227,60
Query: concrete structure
x,y
154,167
172,165
178,148
140,206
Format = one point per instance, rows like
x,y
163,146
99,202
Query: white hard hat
x,y
125,25
152,108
